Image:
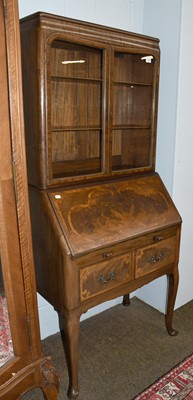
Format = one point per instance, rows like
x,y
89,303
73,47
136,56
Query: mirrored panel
x,y
6,347
35,394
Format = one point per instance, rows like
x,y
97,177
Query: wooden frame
x,y
29,368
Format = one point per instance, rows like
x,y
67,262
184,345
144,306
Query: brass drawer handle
x,y
107,255
158,238
107,278
158,257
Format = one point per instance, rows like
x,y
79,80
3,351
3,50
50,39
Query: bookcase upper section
x,y
90,97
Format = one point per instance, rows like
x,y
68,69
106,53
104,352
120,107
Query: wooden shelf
x,y
75,128
75,78
76,167
130,127
132,84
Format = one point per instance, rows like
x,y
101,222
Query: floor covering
x,y
123,350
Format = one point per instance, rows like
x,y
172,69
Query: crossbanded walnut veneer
x,y
103,222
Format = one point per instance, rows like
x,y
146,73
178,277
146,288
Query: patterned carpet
x,y
176,385
6,349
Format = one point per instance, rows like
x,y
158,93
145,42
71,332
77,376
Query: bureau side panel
x,y
32,56
57,277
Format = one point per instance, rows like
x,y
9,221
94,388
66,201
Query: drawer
x,y
154,257
105,276
118,249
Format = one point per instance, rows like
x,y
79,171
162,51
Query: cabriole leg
x,y
69,328
126,300
173,280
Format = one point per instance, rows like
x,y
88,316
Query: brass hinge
x,y
4,8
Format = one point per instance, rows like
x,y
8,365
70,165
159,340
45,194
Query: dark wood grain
x,y
65,102
103,223
102,215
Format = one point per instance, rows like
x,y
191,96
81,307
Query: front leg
x,y
173,280
69,327
126,299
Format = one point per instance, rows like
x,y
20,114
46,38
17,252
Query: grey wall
x,y
124,14
162,18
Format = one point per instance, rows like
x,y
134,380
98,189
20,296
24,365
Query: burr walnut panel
x,y
105,276
99,215
151,258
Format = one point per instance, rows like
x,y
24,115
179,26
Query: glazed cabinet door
x,y
14,334
134,88
76,84
90,96
76,88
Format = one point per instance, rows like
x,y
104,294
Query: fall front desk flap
x,y
100,215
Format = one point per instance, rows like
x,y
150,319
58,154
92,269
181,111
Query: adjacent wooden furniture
x,y
103,222
25,367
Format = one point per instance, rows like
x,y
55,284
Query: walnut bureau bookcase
x,y
103,223
23,366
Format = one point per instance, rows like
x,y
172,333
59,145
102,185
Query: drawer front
x,y
105,276
124,247
154,257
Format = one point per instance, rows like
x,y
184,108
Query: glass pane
x,y
131,148
133,68
76,109
71,60
34,394
6,348
132,110
76,104
136,105
76,152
